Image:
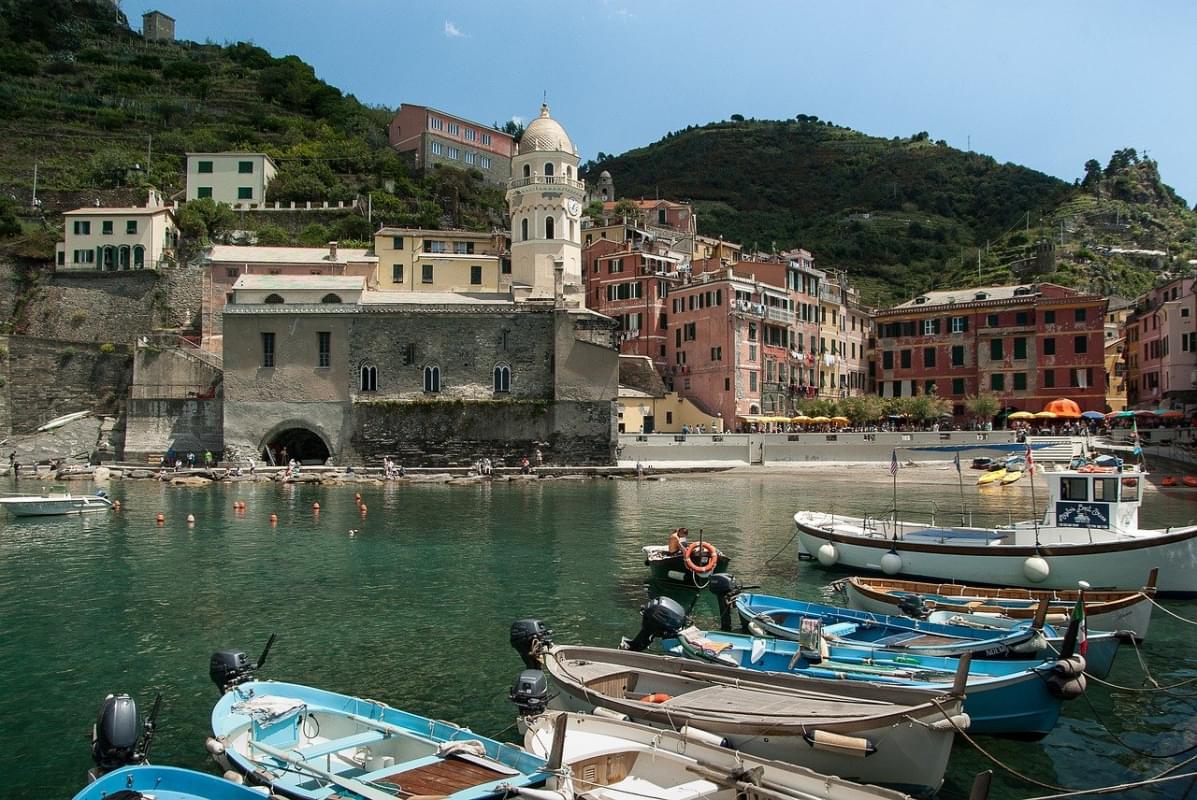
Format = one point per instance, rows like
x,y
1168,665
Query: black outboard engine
x,y
913,606
120,738
528,636
725,588
229,668
661,616
530,693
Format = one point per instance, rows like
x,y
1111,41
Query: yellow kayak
x,y
991,477
1011,477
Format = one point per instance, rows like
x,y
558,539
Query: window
x,y
475,276
131,229
369,378
905,359
752,381
330,298
1020,318
995,349
82,228
997,382
1074,489
992,320
432,379
454,128
897,386
505,266
245,167
1080,344
202,192
1049,317
928,386
887,359
930,326
548,169
463,248
1020,381
959,324
524,229
203,167
453,152
527,170
1020,347
436,123
727,384
426,273
106,227
267,349
486,138
548,227
273,299
502,378
469,157
324,348
484,161
716,353
1049,346
1105,489
1184,312
928,356
1080,314
245,193
957,355
957,385
396,273
1049,379
752,352
471,135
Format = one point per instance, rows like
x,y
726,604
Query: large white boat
x,y
51,505
1089,531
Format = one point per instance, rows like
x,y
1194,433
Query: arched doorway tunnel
x,y
300,444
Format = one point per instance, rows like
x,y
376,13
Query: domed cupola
x,y
545,133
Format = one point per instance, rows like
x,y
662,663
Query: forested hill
x,y
901,215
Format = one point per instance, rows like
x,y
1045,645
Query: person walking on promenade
x,y
525,467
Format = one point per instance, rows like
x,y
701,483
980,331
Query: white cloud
x,y
452,31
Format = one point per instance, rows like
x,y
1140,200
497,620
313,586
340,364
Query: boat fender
x,y
838,743
891,563
1032,645
600,711
660,697
1071,667
756,630
214,746
231,775
827,554
1036,569
961,721
1066,688
706,737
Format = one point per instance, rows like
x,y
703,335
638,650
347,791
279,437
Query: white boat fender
x,y
214,746
600,711
957,721
1071,667
891,563
1033,645
839,743
1036,569
827,554
675,575
696,735
756,630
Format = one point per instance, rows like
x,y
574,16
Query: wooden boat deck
x,y
753,705
442,778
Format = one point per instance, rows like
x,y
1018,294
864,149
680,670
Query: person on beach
x,y
525,467
539,458
191,460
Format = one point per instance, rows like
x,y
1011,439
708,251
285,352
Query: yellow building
x,y
238,179
416,260
117,239
645,407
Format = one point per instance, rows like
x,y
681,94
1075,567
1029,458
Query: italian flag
x,y
1082,630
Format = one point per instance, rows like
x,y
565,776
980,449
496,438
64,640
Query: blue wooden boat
x,y
1007,698
314,744
165,783
863,630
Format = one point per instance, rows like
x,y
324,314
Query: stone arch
x,y
527,170
502,378
273,299
330,298
304,441
368,378
524,229
548,169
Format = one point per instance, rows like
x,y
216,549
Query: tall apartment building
x,y
430,137
1160,345
1029,344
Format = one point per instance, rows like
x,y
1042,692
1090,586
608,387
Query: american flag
x,y
893,464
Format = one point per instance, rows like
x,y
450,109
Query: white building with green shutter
x,y
238,179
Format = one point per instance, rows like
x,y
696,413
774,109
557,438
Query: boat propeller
x,y
229,668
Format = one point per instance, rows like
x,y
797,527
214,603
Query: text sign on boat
x,y
1083,515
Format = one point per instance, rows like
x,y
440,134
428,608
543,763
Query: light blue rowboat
x,y
165,783
1007,698
314,744
783,618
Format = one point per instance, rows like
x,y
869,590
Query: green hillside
x,y
97,107
902,215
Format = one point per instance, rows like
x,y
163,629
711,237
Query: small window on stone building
x,y
273,298
330,298
475,276
324,348
527,170
432,379
369,378
548,228
502,378
268,349
524,227
409,354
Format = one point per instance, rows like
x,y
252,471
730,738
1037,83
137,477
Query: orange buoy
x,y
1168,481
274,519
116,505
358,497
363,509
660,697
161,518
315,506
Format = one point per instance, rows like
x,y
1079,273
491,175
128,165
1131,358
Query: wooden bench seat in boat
x,y
438,777
633,788
344,743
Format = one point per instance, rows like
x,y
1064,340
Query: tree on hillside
x,y
627,208
1092,177
202,220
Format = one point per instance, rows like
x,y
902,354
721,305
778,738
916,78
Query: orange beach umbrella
x,y
1063,407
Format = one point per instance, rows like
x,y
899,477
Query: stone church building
x,y
326,369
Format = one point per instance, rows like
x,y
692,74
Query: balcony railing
x,y
545,180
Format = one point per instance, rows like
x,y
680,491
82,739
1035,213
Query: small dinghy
x,y
314,744
982,463
1169,481
1001,698
863,630
992,476
151,782
826,726
1125,612
611,759
683,561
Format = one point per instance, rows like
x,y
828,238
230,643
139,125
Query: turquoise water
x,y
414,609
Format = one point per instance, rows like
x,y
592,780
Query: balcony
x,y
545,180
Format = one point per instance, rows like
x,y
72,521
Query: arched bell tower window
x,y
432,379
527,170
548,169
273,298
569,171
548,227
502,379
369,378
524,229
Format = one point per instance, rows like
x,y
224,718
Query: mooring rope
x,y
1172,614
1122,787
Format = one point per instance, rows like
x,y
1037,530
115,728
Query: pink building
x,y
1161,346
432,137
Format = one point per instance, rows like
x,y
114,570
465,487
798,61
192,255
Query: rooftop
x,y
124,211
545,133
236,254
278,283
425,232
436,298
488,128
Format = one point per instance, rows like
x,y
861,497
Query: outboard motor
x,y
913,606
661,616
725,588
120,738
229,668
530,693
528,636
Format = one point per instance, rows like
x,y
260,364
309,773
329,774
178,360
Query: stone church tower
x,y
544,198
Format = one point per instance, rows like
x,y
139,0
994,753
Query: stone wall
x,y
47,378
155,426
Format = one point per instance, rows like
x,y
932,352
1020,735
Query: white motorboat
x,y
51,505
1089,531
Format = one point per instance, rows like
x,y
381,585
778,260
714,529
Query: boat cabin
x,y
1094,497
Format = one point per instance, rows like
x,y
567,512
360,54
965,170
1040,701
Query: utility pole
x,y
149,153
33,202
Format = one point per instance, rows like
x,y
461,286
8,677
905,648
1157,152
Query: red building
x,y
630,285
1028,344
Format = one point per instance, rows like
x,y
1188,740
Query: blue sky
x,y
1045,84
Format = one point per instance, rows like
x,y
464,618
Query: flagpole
x,y
1034,508
960,480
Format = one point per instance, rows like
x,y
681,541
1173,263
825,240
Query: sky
x,y
1045,84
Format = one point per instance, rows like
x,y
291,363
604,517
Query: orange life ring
x,y
1168,481
712,558
1189,480
660,697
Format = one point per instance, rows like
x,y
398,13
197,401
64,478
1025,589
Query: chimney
x,y
332,251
